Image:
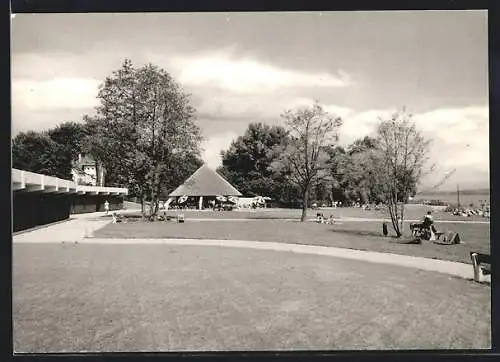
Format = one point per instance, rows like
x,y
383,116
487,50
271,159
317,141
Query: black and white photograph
x,y
250,181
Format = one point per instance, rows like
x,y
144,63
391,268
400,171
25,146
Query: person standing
x,y
106,207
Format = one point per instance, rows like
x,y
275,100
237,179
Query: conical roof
x,y
205,182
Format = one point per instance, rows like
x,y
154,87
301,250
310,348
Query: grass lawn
x,y
349,234
412,212
77,297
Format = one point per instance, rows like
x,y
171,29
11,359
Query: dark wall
x,y
92,203
31,209
35,208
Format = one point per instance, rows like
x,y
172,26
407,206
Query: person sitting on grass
x,y
331,220
116,218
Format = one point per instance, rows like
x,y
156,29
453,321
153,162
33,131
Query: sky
x,y
251,67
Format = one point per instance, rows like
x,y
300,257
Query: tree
x,y
37,152
184,167
397,164
337,167
351,166
246,164
69,138
49,152
304,159
144,130
361,145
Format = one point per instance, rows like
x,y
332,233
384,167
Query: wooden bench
x,y
482,266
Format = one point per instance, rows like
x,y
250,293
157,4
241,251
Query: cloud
x,y
224,71
461,140
359,124
234,107
73,93
60,64
338,111
213,145
43,104
460,136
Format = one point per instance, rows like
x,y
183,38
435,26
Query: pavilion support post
x,y
200,205
167,204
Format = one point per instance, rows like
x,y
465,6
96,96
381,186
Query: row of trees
x,y
143,133
303,161
50,152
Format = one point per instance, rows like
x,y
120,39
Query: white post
x,y
167,204
200,205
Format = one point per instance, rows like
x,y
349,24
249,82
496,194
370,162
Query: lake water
x,y
466,198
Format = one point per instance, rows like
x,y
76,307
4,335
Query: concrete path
x,y
68,231
78,226
81,227
441,266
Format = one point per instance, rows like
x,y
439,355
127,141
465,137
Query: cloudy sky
x,y
247,67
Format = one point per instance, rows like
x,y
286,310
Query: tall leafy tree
x,y
304,158
37,152
350,167
144,129
247,162
69,138
337,163
49,152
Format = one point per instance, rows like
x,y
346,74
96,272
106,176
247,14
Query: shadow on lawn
x,y
358,232
405,240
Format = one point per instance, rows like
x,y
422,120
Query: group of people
x,y
336,204
470,212
321,219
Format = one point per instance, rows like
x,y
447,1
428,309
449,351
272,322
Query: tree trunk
x,y
394,217
151,205
143,211
154,206
97,174
402,217
153,201
155,196
305,201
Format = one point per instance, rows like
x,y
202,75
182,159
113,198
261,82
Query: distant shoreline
x,y
454,192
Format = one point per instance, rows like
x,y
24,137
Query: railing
x,y
22,179
100,189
